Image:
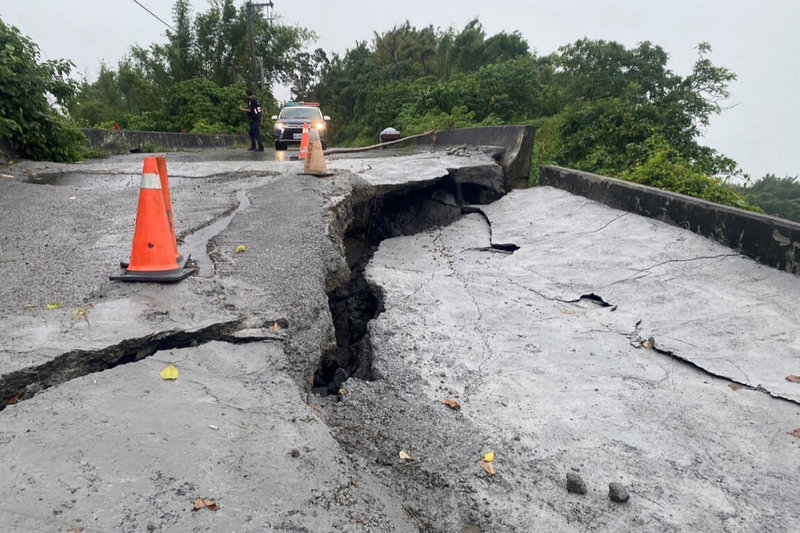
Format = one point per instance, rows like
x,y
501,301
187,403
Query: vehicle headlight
x,y
320,125
280,126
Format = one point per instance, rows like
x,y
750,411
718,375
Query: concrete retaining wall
x,y
769,240
123,141
517,142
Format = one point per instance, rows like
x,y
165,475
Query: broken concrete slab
x,y
516,142
488,310
553,382
392,173
698,299
124,450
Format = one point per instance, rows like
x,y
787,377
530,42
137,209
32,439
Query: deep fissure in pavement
x,y
355,303
23,384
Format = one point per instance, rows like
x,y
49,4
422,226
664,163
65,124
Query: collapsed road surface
x,y
337,317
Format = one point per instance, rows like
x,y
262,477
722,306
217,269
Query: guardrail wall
x,y
769,240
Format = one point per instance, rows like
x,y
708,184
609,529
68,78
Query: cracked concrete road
x,y
553,382
545,349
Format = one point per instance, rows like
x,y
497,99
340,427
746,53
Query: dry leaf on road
x,y
489,468
735,386
204,503
488,457
793,379
452,404
15,399
405,457
795,433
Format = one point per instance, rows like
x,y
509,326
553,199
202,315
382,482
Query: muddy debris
x,y
617,492
575,483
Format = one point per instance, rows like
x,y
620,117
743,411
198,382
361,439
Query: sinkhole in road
x,y
355,303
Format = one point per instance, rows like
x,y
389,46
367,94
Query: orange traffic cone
x,y
315,162
304,142
154,251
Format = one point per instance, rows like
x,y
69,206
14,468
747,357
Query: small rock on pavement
x,y
617,492
295,452
575,483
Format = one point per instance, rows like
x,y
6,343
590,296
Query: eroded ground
x,y
574,337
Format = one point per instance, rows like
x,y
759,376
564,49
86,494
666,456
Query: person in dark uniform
x,y
253,111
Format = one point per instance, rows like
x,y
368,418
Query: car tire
x,y
280,146
324,145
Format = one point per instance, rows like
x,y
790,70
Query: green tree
x,y
194,105
410,51
776,196
665,168
615,99
213,47
31,96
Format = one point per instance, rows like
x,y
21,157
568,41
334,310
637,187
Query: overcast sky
x,y
758,40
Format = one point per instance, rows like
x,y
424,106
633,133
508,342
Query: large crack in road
x,y
371,220
513,309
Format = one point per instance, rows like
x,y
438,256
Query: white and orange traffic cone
x,y
315,162
154,254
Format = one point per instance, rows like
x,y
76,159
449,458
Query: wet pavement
x,y
574,337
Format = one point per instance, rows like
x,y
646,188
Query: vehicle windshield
x,y
301,112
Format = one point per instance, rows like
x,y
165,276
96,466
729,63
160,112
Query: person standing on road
x,y
253,111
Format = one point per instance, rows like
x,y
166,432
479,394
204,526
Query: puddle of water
x,y
94,181
196,244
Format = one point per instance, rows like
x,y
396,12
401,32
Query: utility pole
x,y
254,74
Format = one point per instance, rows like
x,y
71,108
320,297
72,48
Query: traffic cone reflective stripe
x,y
154,255
304,140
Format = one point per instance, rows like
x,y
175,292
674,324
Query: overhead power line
x,y
156,16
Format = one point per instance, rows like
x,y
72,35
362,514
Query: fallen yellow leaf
x,y
241,249
489,457
83,312
53,307
170,373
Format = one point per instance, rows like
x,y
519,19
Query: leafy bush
x,y
776,196
30,124
666,169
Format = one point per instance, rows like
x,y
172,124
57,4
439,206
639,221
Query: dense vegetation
x,y
597,106
197,80
776,196
29,125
